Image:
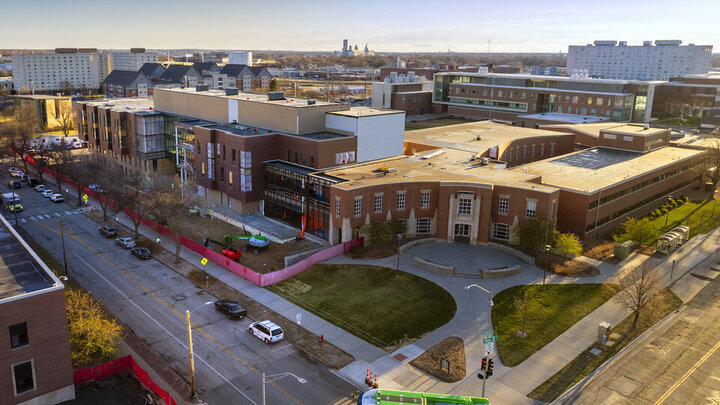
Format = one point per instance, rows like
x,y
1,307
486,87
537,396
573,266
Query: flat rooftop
x,y
475,137
297,102
567,118
594,129
122,104
595,169
41,96
532,77
20,272
365,112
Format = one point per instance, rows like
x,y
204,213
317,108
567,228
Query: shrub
x,y
673,204
686,199
657,212
664,210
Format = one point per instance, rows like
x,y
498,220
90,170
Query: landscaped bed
x,y
451,350
383,306
550,312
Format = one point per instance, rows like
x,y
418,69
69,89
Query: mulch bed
x,y
451,349
567,268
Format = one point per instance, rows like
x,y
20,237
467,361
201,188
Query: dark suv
x,y
108,231
232,309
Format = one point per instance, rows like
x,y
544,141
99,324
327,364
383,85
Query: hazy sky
x,y
403,26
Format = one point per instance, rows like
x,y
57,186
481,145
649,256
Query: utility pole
x,y
62,238
192,358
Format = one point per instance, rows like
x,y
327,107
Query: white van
x,y
267,331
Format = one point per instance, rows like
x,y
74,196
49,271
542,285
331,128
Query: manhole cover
x,y
399,357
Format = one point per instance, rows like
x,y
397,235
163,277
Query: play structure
x,y
257,242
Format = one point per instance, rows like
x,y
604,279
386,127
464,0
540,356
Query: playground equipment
x,y
231,254
257,243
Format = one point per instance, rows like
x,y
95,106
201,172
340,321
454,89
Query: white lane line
x,y
280,348
57,214
67,212
47,216
163,328
23,220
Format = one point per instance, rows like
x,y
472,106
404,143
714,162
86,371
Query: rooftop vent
x,y
231,92
202,87
276,95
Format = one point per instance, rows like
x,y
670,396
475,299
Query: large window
x,y
530,209
337,208
504,204
18,335
401,200
464,206
501,231
357,207
23,377
425,200
378,203
423,225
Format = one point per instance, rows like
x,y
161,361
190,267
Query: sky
x,y
386,26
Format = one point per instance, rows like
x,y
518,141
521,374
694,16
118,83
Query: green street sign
x,y
490,339
489,333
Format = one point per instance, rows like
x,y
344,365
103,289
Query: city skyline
x,y
385,27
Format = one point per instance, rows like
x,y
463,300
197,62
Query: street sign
x,y
85,198
204,261
489,350
490,339
298,318
489,333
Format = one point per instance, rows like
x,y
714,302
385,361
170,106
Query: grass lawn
x,y
377,304
701,216
439,122
550,313
586,362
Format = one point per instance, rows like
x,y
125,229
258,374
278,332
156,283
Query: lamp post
x,y
667,214
547,251
62,239
190,348
467,287
275,377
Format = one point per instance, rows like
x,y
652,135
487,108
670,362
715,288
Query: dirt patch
x,y
601,249
647,250
120,389
567,268
452,350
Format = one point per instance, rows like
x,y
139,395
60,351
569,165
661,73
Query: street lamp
x,y
547,251
667,214
467,287
190,348
275,377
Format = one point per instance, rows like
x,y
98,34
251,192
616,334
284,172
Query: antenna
x,y
488,45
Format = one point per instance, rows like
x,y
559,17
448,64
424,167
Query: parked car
x,y
108,231
47,193
17,174
32,182
56,198
96,188
24,178
126,243
141,253
40,188
14,184
267,331
12,169
232,309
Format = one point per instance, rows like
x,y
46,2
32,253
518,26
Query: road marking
x,y
23,220
180,315
67,212
57,214
47,216
280,348
687,374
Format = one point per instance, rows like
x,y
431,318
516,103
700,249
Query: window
x,y
504,204
552,148
378,203
401,200
230,178
23,377
462,230
232,155
423,225
425,200
222,173
18,335
542,149
356,208
501,231
464,206
337,208
532,150
530,208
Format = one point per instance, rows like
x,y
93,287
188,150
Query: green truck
x,y
11,202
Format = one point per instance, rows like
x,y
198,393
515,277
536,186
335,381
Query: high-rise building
x,y
617,60
49,71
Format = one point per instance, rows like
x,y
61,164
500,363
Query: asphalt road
x,y
151,299
678,362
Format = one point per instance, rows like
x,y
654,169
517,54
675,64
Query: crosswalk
x,y
41,217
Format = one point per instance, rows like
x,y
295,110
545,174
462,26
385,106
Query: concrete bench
x,y
501,272
434,267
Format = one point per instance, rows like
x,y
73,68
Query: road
x,y
677,362
151,299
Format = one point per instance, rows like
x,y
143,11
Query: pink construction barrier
x,y
302,265
113,367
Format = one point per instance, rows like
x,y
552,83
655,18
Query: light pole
x,y
190,348
467,287
62,239
667,214
547,251
275,377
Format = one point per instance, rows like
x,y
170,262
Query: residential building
x,y
184,75
50,71
152,70
51,110
133,60
124,83
35,360
246,78
617,60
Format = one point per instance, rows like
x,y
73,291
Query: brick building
x,y
35,361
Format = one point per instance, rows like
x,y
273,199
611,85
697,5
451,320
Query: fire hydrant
x,y
322,338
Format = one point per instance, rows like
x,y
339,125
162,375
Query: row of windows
x,y
509,152
305,160
378,207
614,196
23,372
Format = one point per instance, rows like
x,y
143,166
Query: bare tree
x,y
522,303
24,124
62,160
110,183
172,204
84,170
66,87
65,117
134,197
641,286
713,159
40,158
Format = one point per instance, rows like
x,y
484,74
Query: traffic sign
x,y
204,261
490,339
85,198
489,333
489,349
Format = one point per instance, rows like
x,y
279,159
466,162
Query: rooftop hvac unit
x,y
202,87
231,92
276,95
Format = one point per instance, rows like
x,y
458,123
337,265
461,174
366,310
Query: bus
x,y
393,397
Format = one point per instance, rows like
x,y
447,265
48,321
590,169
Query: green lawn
x,y
586,362
701,216
377,304
550,313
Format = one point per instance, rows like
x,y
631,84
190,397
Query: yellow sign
x,y
157,240
85,197
203,261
